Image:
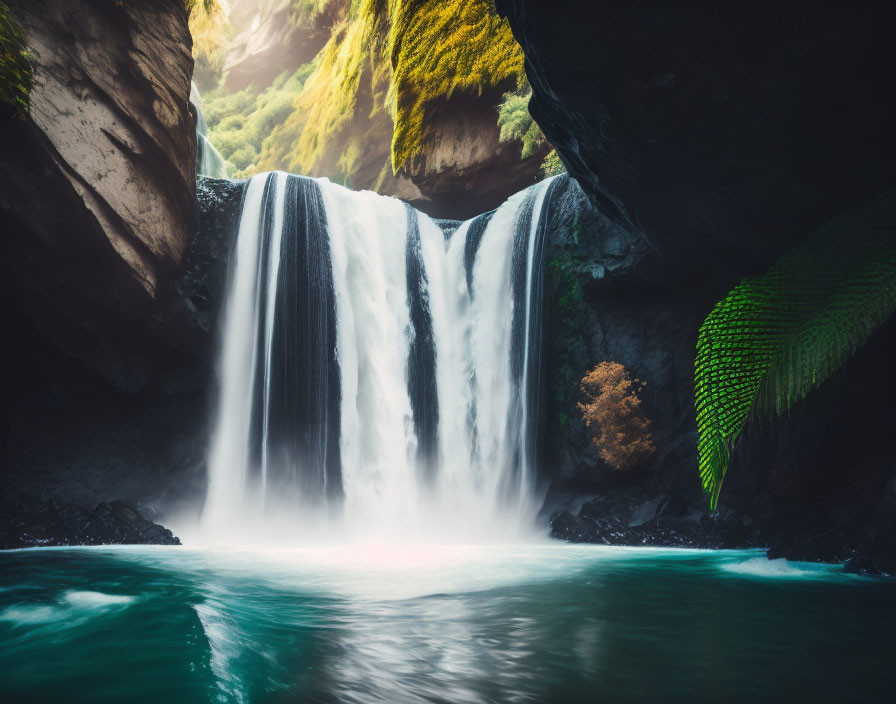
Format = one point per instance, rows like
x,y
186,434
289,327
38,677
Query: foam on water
x,y
71,606
780,569
96,600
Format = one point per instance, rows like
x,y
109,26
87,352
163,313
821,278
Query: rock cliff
x,y
97,184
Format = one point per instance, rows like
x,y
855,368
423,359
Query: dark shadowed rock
x,y
735,128
204,279
28,522
718,137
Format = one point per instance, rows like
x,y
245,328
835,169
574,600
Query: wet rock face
x,y
716,126
97,185
204,280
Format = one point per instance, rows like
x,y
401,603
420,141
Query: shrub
x,y
614,408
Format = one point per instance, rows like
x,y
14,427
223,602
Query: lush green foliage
x,y
516,122
209,27
305,11
241,123
776,337
15,66
552,166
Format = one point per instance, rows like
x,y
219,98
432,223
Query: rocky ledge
x,y
30,522
629,515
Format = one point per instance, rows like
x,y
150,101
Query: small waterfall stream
x,y
375,371
209,161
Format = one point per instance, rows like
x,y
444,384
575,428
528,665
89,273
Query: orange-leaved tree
x,y
614,409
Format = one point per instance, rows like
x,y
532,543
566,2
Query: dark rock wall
x,y
724,134
715,124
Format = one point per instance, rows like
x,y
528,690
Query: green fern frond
x,y
776,337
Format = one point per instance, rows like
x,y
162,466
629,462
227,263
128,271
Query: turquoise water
x,y
549,622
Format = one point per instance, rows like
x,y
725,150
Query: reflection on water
x,y
545,622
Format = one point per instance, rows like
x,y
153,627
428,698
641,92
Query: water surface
x,y
547,622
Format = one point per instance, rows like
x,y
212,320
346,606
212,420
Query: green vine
x,y
566,323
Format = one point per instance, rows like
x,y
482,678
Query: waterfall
x,y
378,373
209,161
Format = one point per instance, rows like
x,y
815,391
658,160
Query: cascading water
x,y
375,371
209,161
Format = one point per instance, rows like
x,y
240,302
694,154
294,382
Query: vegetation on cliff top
x,y
16,76
776,337
387,62
208,26
434,48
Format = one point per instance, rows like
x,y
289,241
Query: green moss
x,y
567,318
436,47
16,75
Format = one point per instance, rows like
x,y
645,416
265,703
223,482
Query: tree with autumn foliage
x,y
613,408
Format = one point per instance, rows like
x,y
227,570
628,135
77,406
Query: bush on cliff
x,y
614,409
